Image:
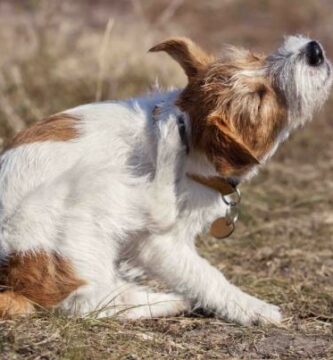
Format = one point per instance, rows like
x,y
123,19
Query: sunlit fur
x,y
108,198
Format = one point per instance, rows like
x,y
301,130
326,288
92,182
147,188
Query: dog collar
x,y
222,227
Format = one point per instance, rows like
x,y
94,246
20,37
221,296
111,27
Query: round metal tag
x,y
222,228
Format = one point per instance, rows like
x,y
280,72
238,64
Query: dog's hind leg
x,y
144,304
135,302
123,300
169,165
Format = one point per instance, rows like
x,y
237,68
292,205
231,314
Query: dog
x,y
133,180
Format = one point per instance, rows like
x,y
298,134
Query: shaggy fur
x,y
107,182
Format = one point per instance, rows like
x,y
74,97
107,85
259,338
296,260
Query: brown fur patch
x,y
59,127
226,150
44,279
189,55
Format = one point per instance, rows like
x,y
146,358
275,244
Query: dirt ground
x,y
58,54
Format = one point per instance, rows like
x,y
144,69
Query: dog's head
x,y
241,106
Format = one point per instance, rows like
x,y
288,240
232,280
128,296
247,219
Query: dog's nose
x,y
314,53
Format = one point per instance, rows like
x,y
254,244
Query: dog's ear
x,y
226,149
189,55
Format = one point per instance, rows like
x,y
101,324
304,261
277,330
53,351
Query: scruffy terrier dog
x,y
86,188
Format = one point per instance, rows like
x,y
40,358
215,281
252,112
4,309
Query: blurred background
x,y
57,54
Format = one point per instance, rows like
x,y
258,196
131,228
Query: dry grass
x,y
58,54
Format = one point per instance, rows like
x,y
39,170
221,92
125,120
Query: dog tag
x,y
221,228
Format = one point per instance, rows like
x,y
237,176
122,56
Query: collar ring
x,y
232,201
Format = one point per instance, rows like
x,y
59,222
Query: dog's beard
x,y
304,88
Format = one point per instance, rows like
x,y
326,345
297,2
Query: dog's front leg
x,y
179,265
169,164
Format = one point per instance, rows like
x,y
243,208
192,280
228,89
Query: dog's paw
x,y
248,310
260,313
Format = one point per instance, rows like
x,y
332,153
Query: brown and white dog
x,y
93,185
